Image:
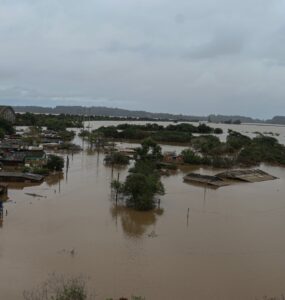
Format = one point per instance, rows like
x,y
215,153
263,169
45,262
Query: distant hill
x,y
277,120
105,111
118,112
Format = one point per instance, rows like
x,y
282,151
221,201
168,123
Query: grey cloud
x,y
116,46
177,56
179,18
219,46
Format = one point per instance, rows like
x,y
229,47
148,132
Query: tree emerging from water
x,y
143,182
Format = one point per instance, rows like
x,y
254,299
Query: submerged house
x,y
7,113
229,177
172,157
14,157
20,177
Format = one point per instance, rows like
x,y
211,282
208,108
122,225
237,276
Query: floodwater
x,y
230,245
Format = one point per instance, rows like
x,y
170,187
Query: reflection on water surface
x,y
135,223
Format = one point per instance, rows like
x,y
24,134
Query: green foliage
x,y
72,292
108,132
117,158
186,127
55,163
149,151
27,119
144,167
262,149
84,133
6,127
208,144
59,288
218,130
26,169
35,130
66,135
178,133
146,127
190,157
2,133
69,147
40,171
265,140
117,186
143,181
203,128
182,127
238,149
141,188
133,134
172,136
53,122
55,125
36,170
237,140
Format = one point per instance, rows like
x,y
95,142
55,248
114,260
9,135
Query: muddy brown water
x,y
230,246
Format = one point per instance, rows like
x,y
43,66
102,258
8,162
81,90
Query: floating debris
x,y
152,234
72,252
35,195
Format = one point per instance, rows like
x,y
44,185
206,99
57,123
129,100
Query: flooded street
x,y
230,245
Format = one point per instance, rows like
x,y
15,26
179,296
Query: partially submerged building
x,y
205,180
20,177
7,113
228,177
172,157
16,156
247,175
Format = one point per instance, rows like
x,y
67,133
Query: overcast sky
x,y
185,56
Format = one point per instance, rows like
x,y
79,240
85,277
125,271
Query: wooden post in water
x,y
117,190
59,182
204,200
67,167
112,173
188,216
67,162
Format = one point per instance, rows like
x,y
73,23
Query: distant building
x,y
7,113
